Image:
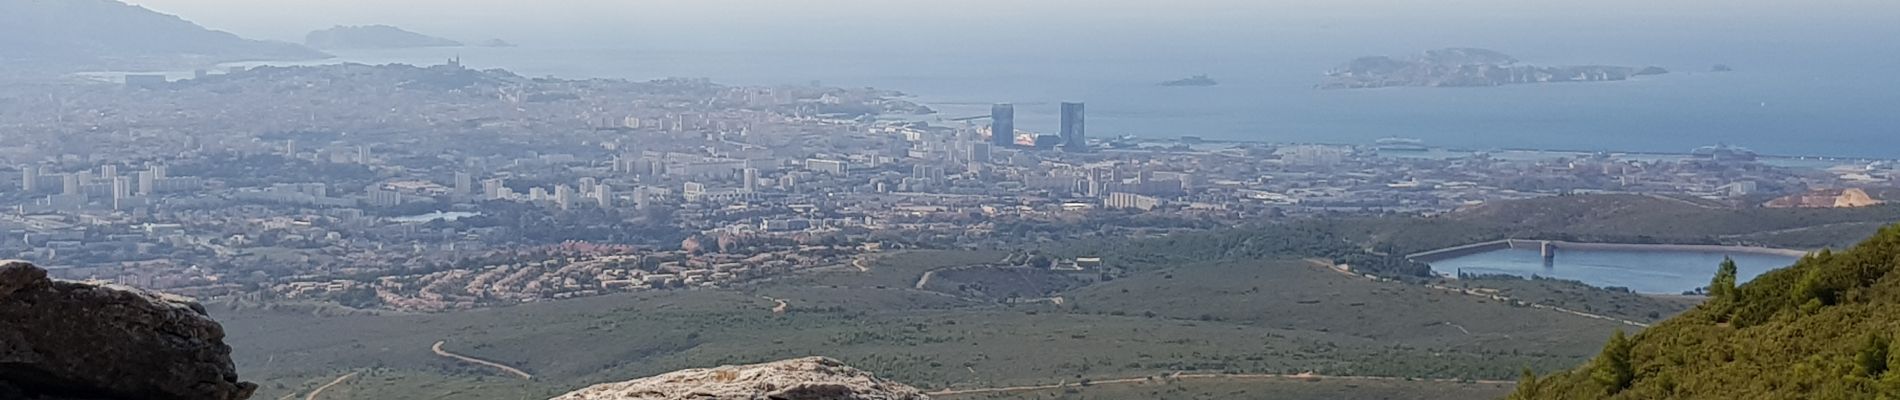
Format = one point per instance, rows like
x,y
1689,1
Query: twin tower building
x,y
1072,137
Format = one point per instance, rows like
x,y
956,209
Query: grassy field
x,y
1581,297
1627,219
1237,317
1278,389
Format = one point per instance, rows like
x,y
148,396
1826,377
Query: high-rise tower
x,y
1073,136
1003,125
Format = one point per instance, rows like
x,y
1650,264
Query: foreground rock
x,y
71,340
813,378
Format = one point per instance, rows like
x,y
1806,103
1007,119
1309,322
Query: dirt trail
x,y
504,368
339,380
780,306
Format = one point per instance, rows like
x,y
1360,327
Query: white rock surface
x,y
812,378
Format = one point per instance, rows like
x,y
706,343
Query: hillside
x,y
372,37
1627,219
1819,329
73,35
1253,318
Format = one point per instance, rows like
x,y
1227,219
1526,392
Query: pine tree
x,y
1722,287
1872,357
1526,386
1613,369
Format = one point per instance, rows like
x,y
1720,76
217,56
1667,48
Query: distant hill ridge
x,y
75,35
372,37
1821,329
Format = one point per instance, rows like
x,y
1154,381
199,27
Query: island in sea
x,y
373,37
1467,67
1197,80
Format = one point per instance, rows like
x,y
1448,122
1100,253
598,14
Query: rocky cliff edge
x,y
65,340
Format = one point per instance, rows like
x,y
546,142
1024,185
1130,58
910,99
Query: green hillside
x,y
1625,218
1208,319
1821,329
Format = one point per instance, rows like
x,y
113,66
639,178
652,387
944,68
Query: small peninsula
x,y
1466,67
372,37
78,35
1197,80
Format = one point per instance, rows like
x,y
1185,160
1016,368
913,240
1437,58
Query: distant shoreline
x,y
1529,149
347,58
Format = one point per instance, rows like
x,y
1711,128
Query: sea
x,y
1777,106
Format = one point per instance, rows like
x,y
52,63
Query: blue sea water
x,y
1664,272
1776,106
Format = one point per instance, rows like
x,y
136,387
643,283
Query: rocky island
x,y
1197,80
1466,67
372,37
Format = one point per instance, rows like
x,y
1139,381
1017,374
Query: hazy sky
x,y
538,19
1592,31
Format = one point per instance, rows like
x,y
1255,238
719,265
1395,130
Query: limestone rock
x,y
812,378
73,340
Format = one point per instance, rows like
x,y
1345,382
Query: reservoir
x,y
1655,271
442,215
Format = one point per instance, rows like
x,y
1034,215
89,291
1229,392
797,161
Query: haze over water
x,y
1807,84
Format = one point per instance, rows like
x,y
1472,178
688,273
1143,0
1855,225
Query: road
x,y
339,380
504,368
1178,376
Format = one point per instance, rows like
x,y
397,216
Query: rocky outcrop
x,y
1464,67
813,378
73,340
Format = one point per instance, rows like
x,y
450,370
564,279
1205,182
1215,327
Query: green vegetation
x,y
1821,329
1574,295
1235,301
1228,317
1625,219
1378,244
1242,388
1309,239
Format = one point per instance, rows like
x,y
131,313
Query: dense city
x,y
443,187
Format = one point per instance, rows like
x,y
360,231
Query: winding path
x,y
339,380
780,306
504,368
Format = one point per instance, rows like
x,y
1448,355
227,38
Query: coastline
x,y
924,96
